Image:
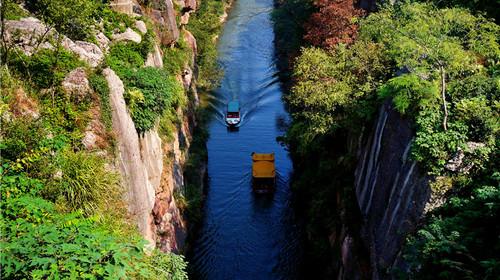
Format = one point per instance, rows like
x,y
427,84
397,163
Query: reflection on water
x,y
245,235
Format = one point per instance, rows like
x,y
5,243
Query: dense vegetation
x,y
206,25
62,209
439,66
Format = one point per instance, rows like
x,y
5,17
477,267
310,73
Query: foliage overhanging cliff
x,y
434,69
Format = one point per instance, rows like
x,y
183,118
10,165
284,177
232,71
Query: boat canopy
x,y
263,166
233,107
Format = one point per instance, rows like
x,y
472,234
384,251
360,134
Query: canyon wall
x,y
391,193
151,166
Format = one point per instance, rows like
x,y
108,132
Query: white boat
x,y
233,113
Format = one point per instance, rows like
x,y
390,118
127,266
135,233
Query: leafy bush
x,y
459,241
12,10
47,67
157,92
123,57
409,92
37,242
175,58
16,183
18,137
74,18
113,21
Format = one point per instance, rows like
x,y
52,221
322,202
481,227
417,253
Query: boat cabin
x,y
233,113
263,172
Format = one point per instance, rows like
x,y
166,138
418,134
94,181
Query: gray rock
x,y
155,58
191,4
122,6
165,19
31,35
76,84
88,52
141,26
28,34
128,35
103,42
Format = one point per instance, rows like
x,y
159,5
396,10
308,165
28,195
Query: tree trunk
x,y
443,96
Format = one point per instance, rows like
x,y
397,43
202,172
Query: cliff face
x,y
151,168
391,189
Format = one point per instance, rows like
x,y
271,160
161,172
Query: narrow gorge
x,y
249,139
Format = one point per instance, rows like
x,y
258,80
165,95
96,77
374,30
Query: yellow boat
x,y
263,171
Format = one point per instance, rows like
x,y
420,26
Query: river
x,y
245,235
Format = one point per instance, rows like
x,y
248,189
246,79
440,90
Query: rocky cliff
x,y
391,193
152,168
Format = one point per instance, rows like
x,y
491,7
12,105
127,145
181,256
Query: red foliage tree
x,y
333,23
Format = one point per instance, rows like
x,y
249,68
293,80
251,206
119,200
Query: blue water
x,y
246,235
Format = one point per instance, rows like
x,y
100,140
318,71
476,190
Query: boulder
x,y
141,26
191,40
30,35
155,58
95,136
88,52
137,10
184,19
103,42
163,15
187,77
122,6
128,35
77,84
458,163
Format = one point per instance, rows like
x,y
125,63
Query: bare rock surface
x,y
30,35
141,26
128,35
191,4
88,52
103,42
77,84
122,6
155,58
164,17
191,40
95,136
140,192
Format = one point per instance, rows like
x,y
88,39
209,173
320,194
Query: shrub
x,y
175,58
410,93
18,137
39,243
12,10
123,57
158,92
47,67
333,23
84,184
74,18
